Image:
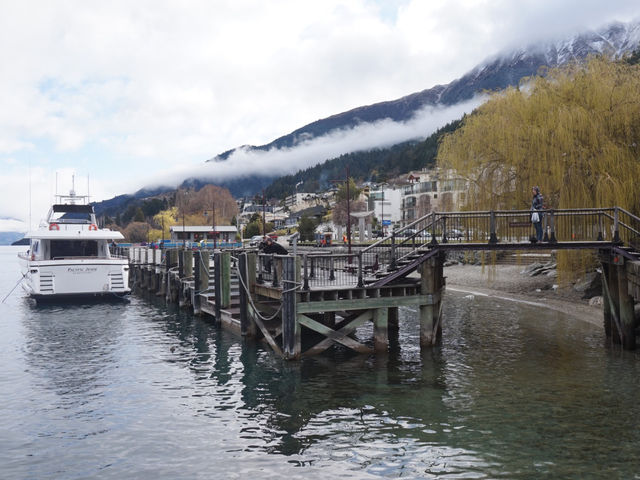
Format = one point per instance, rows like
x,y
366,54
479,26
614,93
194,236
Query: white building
x,y
195,233
386,203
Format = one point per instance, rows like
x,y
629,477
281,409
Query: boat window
x,y
34,247
74,248
72,214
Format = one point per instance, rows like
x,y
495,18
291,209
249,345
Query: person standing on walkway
x,y
536,212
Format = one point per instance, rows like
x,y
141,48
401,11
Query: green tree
x,y
252,228
306,227
139,215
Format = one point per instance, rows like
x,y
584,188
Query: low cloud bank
x,y
366,136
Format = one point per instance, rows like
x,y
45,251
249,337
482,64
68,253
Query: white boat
x,y
69,255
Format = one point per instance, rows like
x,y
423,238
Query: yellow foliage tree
x,y
574,132
164,220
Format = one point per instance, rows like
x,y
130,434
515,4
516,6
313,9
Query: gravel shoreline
x,y
512,283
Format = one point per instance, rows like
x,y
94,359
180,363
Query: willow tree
x,y
575,132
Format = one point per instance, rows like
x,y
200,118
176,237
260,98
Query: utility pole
x,y
348,214
264,216
213,224
382,214
184,233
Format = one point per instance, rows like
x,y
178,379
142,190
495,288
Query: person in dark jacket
x,y
537,203
273,247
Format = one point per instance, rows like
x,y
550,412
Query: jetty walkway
x,y
305,302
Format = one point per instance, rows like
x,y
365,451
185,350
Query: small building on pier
x,y
196,233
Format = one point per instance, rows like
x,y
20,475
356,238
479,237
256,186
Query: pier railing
x,y
362,266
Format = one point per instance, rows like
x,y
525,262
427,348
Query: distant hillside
x,y
7,238
373,165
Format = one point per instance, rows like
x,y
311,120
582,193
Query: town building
x,y
224,234
386,203
431,190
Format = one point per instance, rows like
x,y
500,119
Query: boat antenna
x,y
88,191
29,195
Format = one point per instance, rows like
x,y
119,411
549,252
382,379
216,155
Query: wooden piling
x,y
431,283
291,344
188,263
607,305
217,286
197,283
380,329
627,316
247,326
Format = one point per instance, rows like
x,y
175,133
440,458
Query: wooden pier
x,y
301,305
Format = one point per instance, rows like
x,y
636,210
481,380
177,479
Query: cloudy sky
x,y
124,92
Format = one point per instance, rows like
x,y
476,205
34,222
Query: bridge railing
x,y
627,226
473,227
385,253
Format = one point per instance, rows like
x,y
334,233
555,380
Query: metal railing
x,y
406,245
322,270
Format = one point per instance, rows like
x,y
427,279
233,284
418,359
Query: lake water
x,y
139,390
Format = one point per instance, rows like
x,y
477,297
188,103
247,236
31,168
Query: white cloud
x,y
125,91
366,136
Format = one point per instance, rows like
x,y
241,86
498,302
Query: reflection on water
x,y
145,391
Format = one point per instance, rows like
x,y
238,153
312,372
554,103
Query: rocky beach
x,y
536,283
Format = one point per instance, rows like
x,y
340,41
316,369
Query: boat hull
x,y
69,279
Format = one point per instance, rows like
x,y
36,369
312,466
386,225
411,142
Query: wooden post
x,y
627,316
203,265
217,262
393,328
291,344
305,275
430,285
197,283
252,260
612,283
616,225
380,329
188,263
606,303
225,276
247,327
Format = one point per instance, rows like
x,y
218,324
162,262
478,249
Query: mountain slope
x,y
496,73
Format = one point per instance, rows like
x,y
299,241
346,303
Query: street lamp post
x,y
184,232
213,224
348,214
264,216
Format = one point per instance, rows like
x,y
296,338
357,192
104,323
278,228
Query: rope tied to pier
x,y
246,289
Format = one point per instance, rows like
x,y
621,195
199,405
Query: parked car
x,y
407,232
255,240
454,233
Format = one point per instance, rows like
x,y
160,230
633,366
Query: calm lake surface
x,y
139,390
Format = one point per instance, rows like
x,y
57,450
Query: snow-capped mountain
x,y
495,73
